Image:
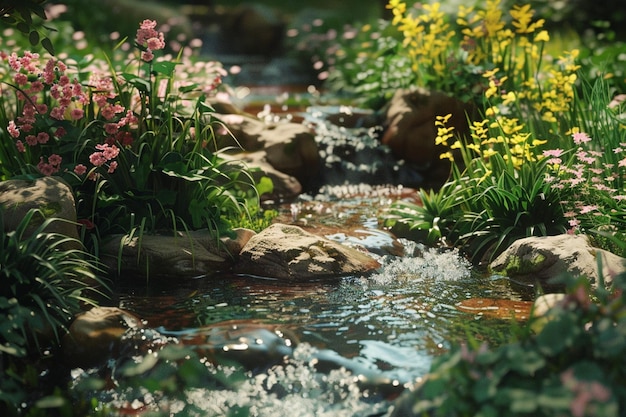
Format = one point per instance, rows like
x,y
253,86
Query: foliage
x,y
590,166
44,284
509,179
20,15
134,138
573,365
499,196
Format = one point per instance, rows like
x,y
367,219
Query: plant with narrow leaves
x,y
44,283
435,215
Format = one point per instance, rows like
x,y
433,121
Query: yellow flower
x,y
442,120
491,73
489,152
542,36
508,98
473,147
447,155
492,111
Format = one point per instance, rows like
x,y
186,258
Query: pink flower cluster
x,y
148,38
51,166
585,176
31,79
105,155
586,393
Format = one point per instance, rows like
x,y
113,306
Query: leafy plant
x,y
20,15
436,214
509,204
44,284
572,366
135,142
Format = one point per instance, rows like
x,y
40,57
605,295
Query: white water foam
x,y
423,262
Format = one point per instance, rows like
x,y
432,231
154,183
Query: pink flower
x,y
622,163
58,113
55,160
77,114
556,153
112,167
31,140
13,130
147,56
588,209
42,137
108,151
124,138
111,128
60,132
580,137
80,169
154,44
20,146
48,168
97,159
20,79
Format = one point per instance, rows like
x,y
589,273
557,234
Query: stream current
x,y
378,335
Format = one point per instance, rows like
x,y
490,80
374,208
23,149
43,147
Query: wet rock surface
x,y
288,252
536,261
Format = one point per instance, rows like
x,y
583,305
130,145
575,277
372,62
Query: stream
x,y
346,346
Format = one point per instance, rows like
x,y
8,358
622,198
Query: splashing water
x,y
431,264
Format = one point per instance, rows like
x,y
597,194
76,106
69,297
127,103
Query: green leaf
x,y
558,334
138,82
33,37
265,185
51,401
164,67
145,364
47,45
23,27
188,88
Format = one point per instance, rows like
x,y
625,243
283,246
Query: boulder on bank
x,y
95,335
288,149
51,195
410,129
189,254
288,252
536,260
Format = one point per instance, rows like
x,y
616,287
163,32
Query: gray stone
x,y
290,253
410,129
96,335
285,151
182,255
51,195
535,260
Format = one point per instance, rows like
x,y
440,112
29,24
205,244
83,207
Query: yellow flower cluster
x,y
427,38
515,76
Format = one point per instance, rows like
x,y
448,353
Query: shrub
x,y
573,365
135,138
44,284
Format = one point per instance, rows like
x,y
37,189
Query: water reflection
x,y
387,328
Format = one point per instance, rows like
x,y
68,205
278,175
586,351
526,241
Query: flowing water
x,y
347,346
